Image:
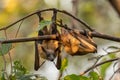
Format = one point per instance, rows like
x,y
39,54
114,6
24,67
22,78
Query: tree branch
x,y
116,5
45,37
104,36
93,33
101,63
54,37
50,9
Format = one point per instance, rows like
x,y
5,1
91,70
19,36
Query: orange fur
x,y
76,44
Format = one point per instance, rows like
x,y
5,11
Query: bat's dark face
x,y
49,50
50,54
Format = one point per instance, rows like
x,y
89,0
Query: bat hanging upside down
x,y
47,49
77,44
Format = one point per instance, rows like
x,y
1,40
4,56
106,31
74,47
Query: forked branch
x,y
55,36
93,32
99,64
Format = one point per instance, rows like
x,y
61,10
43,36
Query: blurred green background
x,y
97,13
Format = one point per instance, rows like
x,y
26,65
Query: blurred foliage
x,y
110,55
19,72
12,10
104,67
87,11
91,76
64,64
98,13
5,48
42,24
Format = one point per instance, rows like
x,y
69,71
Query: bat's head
x,y
50,54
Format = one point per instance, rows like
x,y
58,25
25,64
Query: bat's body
x,y
47,49
73,43
77,44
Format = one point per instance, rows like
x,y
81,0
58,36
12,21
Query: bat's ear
x,y
40,33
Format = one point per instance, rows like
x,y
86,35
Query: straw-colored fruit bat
x,y
77,44
74,43
47,49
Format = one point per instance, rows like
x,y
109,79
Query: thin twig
x,y
18,28
79,20
60,75
94,34
3,56
50,9
9,52
101,63
45,37
116,5
114,73
96,61
108,53
104,36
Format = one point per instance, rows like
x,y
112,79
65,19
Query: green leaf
x,y
84,78
64,64
112,55
26,77
72,77
94,76
19,70
75,77
104,67
5,48
43,23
